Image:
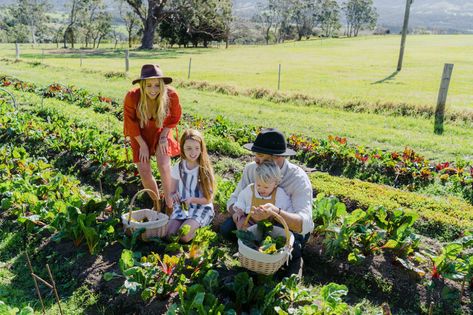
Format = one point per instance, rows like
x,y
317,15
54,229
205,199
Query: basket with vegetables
x,y
264,248
153,221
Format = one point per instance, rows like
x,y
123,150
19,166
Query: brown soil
x,y
381,279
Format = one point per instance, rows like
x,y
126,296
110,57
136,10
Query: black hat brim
x,y
257,149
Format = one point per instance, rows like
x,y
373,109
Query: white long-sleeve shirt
x,y
295,183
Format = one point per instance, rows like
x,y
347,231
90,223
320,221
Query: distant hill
x,y
455,16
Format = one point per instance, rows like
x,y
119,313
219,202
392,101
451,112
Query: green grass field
x,y
334,64
345,68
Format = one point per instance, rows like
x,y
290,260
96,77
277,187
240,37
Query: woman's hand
x,y
163,145
144,153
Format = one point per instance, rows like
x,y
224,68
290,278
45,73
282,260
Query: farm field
x,y
341,69
404,215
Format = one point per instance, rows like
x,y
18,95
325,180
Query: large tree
x,y
29,16
76,14
196,21
151,13
359,14
303,17
267,16
328,16
95,22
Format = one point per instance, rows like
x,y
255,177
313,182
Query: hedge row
x,y
444,218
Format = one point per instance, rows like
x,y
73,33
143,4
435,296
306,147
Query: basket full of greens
x,y
264,247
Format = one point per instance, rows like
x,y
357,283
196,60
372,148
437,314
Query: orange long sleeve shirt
x,y
150,133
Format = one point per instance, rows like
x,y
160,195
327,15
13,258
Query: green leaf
x,y
148,293
126,260
332,294
211,281
354,217
452,250
26,311
355,257
198,300
391,244
109,276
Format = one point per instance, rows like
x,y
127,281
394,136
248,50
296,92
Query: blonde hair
x,y
161,110
267,172
206,172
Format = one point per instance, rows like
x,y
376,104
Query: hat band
x,y
268,150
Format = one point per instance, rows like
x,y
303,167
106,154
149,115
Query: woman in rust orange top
x,y
150,112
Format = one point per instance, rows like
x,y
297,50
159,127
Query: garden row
x,y
140,273
102,157
407,169
62,206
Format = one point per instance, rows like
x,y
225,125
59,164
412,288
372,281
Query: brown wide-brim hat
x,y
270,141
152,72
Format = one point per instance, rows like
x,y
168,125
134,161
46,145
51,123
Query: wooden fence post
x,y
442,98
189,70
17,48
279,77
127,60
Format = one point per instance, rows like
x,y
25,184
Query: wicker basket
x,y
157,222
266,264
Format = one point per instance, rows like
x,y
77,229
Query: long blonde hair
x,y
206,172
161,110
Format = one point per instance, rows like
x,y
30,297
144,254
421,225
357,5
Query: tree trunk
x,y
148,34
65,35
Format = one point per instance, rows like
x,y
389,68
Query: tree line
x,y
178,22
295,19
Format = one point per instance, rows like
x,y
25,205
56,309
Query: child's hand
x,y
175,197
188,201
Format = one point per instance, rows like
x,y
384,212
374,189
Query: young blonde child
x,y
193,186
264,190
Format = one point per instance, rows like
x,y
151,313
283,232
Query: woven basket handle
x,y
132,203
279,219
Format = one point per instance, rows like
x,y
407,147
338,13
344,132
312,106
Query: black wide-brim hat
x,y
270,141
152,72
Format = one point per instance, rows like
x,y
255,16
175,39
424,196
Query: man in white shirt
x,y
270,144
